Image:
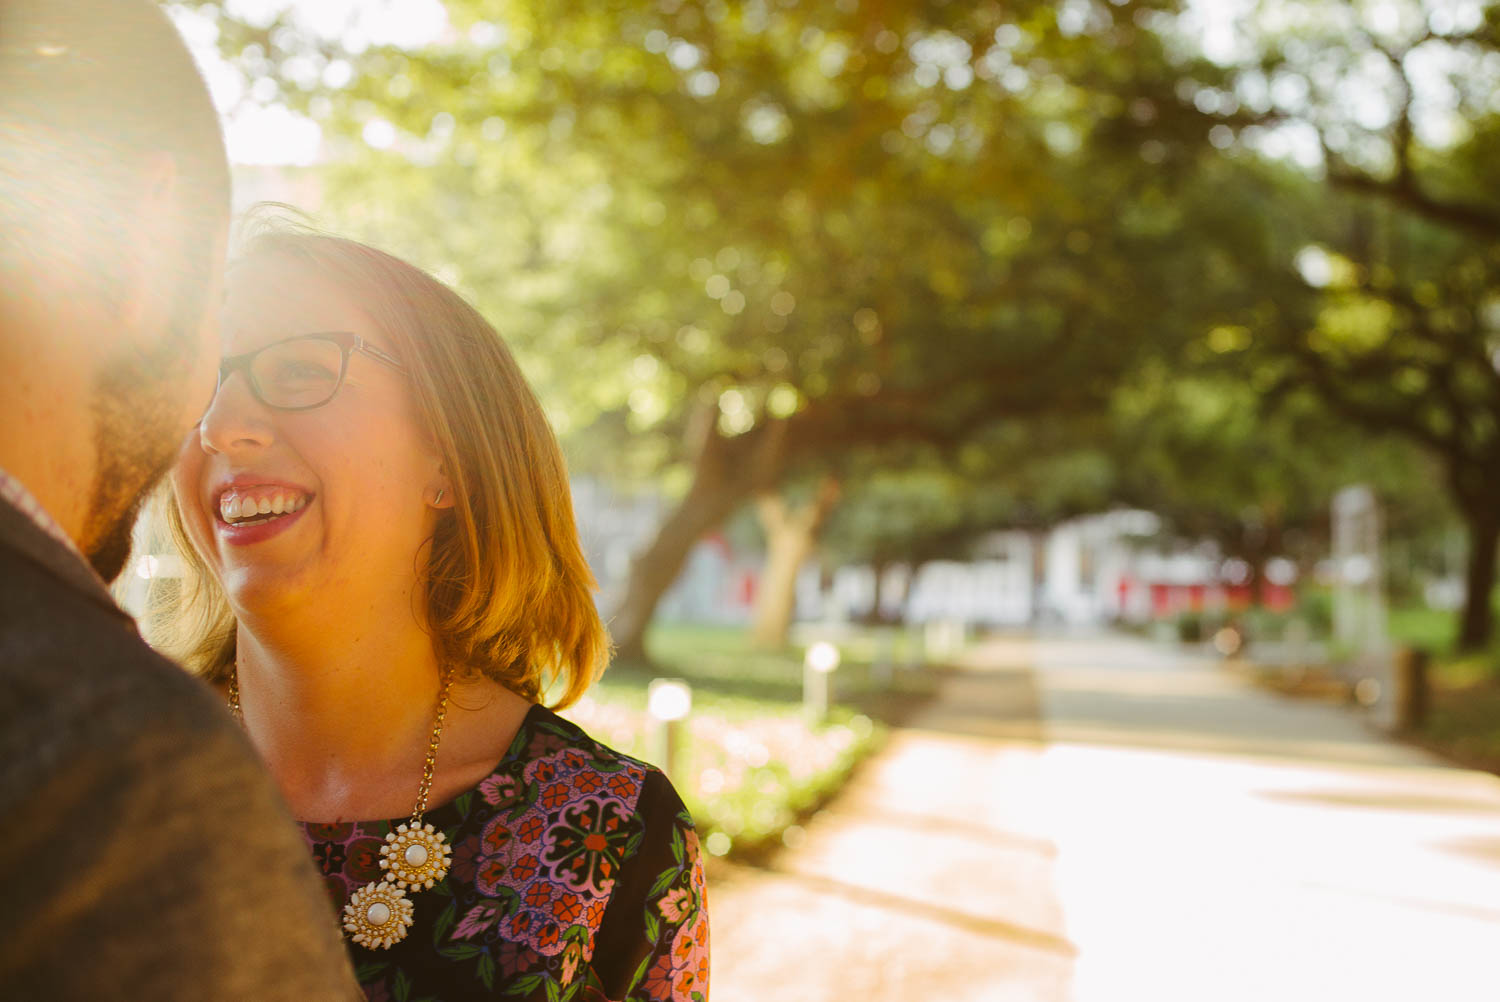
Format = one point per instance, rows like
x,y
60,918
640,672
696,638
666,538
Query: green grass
x,y
751,766
1463,720
719,659
1433,630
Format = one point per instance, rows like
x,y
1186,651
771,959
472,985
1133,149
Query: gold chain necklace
x,y
415,855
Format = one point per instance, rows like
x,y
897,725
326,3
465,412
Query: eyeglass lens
x,y
300,373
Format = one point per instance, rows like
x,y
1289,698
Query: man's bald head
x,y
90,91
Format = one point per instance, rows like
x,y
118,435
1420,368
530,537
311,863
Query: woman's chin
x,y
258,592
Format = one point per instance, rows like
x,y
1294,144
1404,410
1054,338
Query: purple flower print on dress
x,y
478,919
490,876
585,847
500,790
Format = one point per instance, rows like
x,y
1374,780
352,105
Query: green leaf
x,y
667,879
461,951
524,985
486,970
401,988
371,970
445,921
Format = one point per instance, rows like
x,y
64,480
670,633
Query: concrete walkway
x,y
1101,820
1220,842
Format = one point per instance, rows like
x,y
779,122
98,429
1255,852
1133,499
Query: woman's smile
x,y
251,509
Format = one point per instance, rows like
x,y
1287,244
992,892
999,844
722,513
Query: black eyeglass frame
x,y
347,342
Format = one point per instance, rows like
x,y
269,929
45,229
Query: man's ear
x,y
151,238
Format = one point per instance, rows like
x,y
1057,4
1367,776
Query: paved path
x,y
1219,842
1107,821
927,879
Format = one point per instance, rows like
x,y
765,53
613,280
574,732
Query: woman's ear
x,y
439,493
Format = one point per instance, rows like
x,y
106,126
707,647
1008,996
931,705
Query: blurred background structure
x,y
891,325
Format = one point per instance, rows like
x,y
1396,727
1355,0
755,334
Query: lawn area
x,y
1463,722
751,766
1463,719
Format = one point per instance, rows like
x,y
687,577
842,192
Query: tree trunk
x,y
727,472
1477,624
790,536
879,565
653,570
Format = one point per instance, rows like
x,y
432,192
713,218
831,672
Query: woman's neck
x,y
342,711
342,716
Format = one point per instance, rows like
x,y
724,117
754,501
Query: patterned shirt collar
x,y
15,492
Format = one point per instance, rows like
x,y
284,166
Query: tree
x,y
1390,314
791,529
776,234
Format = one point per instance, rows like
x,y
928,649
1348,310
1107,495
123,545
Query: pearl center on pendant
x,y
378,914
416,854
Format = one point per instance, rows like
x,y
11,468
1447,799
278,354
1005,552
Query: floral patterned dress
x,y
576,875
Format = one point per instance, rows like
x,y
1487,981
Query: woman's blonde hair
x,y
508,591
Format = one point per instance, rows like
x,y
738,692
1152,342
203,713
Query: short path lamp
x,y
821,661
668,703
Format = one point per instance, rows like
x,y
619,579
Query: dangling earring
x,y
439,499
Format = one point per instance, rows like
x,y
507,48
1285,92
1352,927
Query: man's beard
x,y
136,435
137,405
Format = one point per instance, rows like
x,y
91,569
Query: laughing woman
x,y
384,577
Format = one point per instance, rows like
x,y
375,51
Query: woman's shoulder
x,y
559,760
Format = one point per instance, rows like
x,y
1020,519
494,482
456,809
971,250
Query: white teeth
x,y
233,508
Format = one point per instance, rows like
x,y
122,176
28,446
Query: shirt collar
x,y
15,492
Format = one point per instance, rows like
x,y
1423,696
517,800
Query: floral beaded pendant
x,y
415,855
379,914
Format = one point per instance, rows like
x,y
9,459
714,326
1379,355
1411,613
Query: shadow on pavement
x,y
909,907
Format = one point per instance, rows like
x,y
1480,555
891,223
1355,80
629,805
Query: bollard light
x,y
822,657
668,702
821,660
669,699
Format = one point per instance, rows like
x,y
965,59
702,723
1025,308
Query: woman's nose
x,y
235,419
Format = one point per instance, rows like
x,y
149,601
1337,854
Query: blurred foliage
x,y
1387,305
986,264
751,766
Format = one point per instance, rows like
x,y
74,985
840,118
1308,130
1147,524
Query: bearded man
x,y
146,853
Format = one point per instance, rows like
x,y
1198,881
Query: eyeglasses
x,y
302,372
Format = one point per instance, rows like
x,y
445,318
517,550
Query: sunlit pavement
x,y
929,878
1219,842
1106,819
